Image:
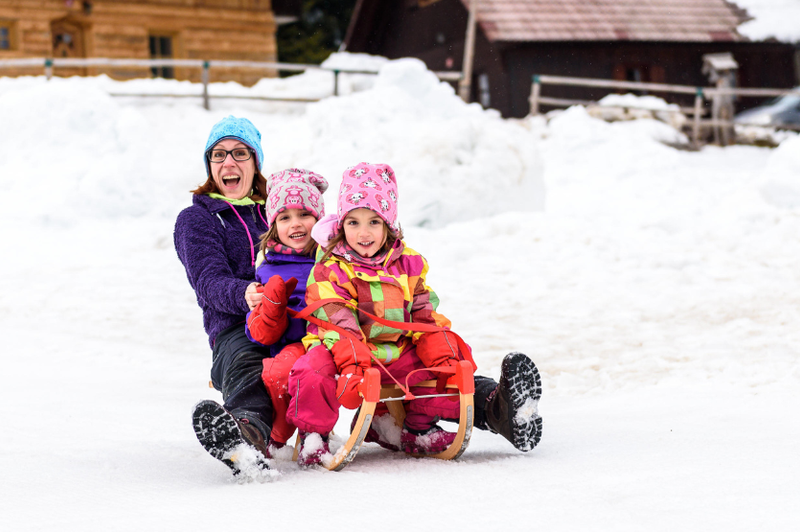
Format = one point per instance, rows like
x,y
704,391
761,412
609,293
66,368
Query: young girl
x,y
294,204
367,264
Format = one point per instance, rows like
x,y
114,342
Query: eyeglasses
x,y
239,154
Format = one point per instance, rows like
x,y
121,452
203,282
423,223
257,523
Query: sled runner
x,y
459,384
452,381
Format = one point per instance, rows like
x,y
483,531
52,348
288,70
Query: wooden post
x,y
48,68
205,76
465,85
698,102
335,82
535,90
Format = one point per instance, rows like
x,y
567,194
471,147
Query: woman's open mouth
x,y
231,181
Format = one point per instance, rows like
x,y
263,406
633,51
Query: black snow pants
x,y
236,372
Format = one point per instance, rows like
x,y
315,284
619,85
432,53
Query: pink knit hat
x,y
295,188
369,186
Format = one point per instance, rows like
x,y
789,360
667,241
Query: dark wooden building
x,y
636,40
242,30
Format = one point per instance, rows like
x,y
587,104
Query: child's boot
x,y
274,447
512,408
421,435
313,448
227,436
430,441
382,430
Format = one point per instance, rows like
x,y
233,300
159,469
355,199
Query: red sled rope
x,y
463,350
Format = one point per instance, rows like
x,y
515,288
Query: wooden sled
x,y
461,384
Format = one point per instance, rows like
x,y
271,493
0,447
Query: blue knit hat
x,y
235,128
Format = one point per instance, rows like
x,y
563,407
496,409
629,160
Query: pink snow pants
x,y
313,406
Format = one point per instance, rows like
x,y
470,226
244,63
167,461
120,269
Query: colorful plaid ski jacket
x,y
395,290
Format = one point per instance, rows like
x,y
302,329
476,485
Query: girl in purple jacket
x,y
294,204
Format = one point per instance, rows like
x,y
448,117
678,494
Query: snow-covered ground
x,y
658,290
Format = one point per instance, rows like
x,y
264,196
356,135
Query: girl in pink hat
x,y
366,265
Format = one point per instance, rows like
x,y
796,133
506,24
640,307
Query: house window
x,y
161,48
6,35
639,72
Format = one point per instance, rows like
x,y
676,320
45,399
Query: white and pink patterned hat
x,y
295,188
369,186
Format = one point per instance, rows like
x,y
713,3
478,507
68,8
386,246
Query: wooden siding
x,y
200,29
435,34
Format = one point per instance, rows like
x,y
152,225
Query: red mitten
x,y
268,320
347,352
347,386
438,349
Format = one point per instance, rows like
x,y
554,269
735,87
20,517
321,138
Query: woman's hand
x,y
252,295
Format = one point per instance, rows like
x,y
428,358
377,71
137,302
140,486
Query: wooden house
x,y
637,40
242,30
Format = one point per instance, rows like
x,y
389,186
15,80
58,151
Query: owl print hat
x,y
295,188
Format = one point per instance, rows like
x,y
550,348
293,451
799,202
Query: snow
x,y
779,19
657,290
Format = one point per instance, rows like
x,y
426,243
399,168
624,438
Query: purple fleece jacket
x,y
297,266
213,245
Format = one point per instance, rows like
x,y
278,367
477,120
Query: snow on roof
x,y
772,19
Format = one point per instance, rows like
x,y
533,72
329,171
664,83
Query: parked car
x,y
782,111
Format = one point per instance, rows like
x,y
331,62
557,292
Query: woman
x,y
216,241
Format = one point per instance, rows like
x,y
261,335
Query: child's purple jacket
x,y
297,266
214,245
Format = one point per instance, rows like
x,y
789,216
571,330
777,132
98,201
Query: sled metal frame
x,y
393,396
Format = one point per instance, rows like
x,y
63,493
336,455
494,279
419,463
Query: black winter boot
x,y
221,432
512,408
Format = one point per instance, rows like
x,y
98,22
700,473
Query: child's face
x,y
294,227
364,231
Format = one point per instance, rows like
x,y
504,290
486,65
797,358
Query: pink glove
x,y
325,229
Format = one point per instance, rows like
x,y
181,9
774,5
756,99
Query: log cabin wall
x,y
242,30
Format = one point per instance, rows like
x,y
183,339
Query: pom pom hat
x,y
235,128
369,186
295,188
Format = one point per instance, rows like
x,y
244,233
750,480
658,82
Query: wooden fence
x,y
695,112
48,65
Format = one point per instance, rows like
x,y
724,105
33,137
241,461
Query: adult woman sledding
x,y
215,239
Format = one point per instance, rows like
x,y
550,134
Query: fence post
x,y
698,102
534,100
335,82
204,77
48,68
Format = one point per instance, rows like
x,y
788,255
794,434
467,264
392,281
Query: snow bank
x,y
454,161
780,183
103,157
